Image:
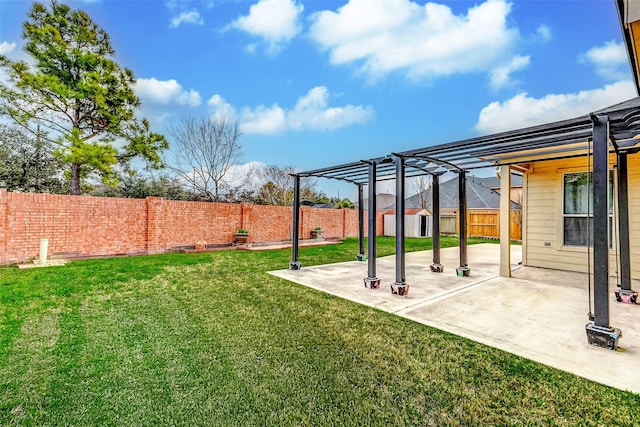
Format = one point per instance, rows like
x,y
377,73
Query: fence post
x,y
4,228
155,223
246,222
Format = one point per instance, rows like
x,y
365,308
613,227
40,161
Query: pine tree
x,y
77,95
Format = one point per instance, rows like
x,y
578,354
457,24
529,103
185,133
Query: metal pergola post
x,y
361,256
600,332
400,287
371,281
464,269
601,221
623,222
295,264
435,224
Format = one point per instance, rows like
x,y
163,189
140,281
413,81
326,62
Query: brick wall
x,y
85,226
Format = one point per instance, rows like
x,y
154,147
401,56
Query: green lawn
x,y
211,339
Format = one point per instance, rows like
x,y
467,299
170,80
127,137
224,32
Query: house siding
x,y
543,245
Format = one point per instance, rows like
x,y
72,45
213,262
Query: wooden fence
x,y
481,223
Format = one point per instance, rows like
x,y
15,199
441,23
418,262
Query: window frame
x,y
611,197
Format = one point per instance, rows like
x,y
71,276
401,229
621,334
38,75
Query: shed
x,y
417,223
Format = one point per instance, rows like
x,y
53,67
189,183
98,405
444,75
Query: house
x,y
493,182
558,211
383,201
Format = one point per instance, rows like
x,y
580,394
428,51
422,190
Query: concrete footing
x,y
371,282
603,337
400,289
295,265
437,268
463,271
48,263
626,296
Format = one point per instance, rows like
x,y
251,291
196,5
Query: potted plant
x,y
242,235
317,233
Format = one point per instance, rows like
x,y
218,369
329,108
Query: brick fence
x,y
86,226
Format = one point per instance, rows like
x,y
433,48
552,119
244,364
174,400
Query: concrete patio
x,y
538,313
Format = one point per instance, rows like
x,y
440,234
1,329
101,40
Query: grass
x,y
211,339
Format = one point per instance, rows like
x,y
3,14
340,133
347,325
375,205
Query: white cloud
x,y
248,172
6,47
311,112
543,33
523,110
275,21
610,60
9,50
220,108
190,17
501,76
383,36
165,92
263,120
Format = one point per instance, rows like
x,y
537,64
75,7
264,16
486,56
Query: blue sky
x,y
317,83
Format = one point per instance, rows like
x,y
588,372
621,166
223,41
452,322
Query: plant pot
x,y
317,234
241,237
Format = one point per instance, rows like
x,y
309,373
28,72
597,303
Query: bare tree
x,y
205,151
420,186
278,186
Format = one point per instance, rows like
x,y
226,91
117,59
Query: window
x,y
578,209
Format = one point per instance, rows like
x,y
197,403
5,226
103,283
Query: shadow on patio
x,y
538,313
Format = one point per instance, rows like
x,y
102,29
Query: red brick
x,y
96,226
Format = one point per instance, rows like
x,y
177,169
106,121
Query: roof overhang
x,y
629,15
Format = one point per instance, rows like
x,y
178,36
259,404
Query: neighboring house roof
x,y
382,201
323,205
493,182
478,196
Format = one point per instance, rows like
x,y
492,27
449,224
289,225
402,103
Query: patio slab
x,y
538,313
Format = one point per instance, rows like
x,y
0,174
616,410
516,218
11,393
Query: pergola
x,y
615,129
